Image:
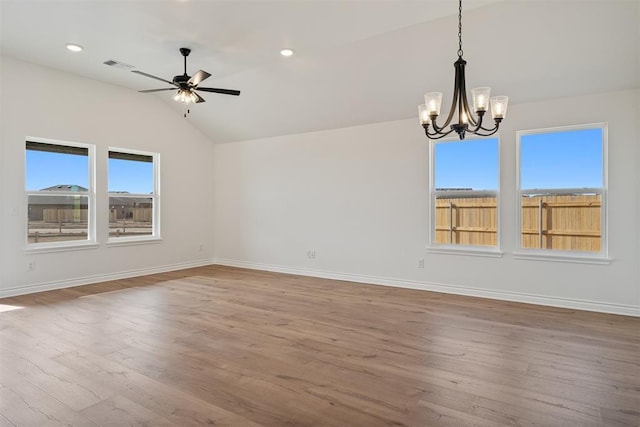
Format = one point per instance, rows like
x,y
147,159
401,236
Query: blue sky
x,y
470,163
567,159
45,169
131,176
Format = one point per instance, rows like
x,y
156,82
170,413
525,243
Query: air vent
x,y
117,64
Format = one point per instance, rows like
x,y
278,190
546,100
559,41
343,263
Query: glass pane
x,y
55,218
46,170
468,165
466,221
566,159
560,164
130,216
130,176
567,222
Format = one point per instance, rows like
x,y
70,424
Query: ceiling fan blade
x,y
199,98
152,76
223,91
198,77
156,90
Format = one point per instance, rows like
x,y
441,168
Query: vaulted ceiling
x,y
355,62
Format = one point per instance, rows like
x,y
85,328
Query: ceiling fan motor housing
x,y
182,81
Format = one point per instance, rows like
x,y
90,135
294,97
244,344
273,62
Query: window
x,y
60,195
562,189
464,193
133,195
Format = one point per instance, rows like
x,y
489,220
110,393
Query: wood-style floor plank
x,y
227,346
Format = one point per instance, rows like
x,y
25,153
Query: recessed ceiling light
x,y
74,47
286,52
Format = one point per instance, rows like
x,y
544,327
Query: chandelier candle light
x,y
467,122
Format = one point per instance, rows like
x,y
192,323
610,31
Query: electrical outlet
x,y
31,265
311,254
201,248
420,263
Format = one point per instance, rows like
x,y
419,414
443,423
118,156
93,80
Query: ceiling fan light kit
x,y
187,85
467,121
185,96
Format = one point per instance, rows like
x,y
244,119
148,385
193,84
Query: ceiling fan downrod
x,y
185,51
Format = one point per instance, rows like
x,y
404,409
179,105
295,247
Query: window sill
x,y
560,257
468,251
130,241
45,248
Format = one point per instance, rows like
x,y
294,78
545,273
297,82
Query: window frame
x,y
560,254
155,235
91,240
460,249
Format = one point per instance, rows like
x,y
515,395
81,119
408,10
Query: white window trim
x,y
471,250
155,235
562,255
44,248
68,245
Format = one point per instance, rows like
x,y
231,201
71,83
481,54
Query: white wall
x,y
359,197
42,102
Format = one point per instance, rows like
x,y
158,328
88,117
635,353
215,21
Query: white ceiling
x,y
356,62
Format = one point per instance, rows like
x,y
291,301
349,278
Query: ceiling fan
x,y
187,85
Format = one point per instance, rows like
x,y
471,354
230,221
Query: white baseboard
x,y
86,280
626,310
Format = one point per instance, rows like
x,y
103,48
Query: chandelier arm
x,y
459,64
487,129
462,90
491,131
434,135
478,124
437,128
465,107
441,135
494,129
451,112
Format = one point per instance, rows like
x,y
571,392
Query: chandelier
x,y
467,122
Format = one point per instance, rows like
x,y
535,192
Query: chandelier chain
x,y
460,29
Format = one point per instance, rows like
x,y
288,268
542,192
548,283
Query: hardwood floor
x,y
226,346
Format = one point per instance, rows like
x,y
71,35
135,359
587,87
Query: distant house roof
x,y
116,198
65,187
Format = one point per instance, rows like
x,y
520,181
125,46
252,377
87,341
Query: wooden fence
x,y
135,214
569,222
467,221
564,222
55,215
